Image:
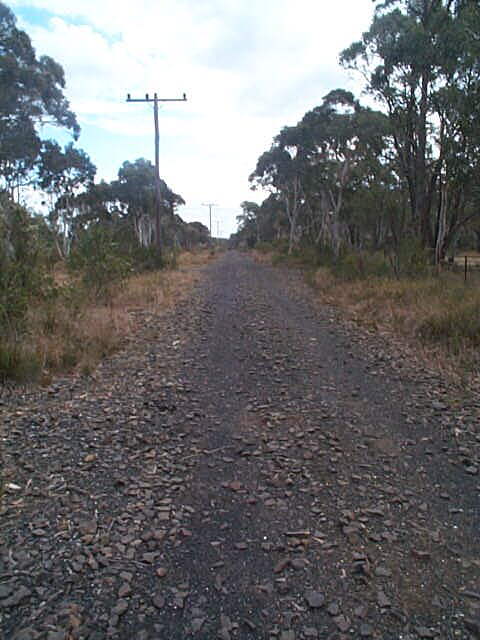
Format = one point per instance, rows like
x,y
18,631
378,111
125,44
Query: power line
x,y
210,205
158,194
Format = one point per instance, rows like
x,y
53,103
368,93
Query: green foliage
x,y
17,362
98,259
149,258
427,76
24,281
410,258
105,232
361,265
264,247
347,177
22,273
31,90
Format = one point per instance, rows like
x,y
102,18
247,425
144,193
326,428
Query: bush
x,y
264,247
98,260
410,258
456,326
23,282
146,258
360,265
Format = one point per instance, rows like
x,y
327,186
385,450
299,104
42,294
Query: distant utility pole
x,y
209,205
158,193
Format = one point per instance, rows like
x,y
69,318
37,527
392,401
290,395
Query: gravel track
x,y
249,466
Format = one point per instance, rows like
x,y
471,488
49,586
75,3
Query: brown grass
x,y
437,316
74,335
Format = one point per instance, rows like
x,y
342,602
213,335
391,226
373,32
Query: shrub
x,y
410,258
360,265
98,260
456,326
23,281
264,247
146,258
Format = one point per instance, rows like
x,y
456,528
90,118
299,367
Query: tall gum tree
x,y
63,174
310,166
413,54
31,93
279,171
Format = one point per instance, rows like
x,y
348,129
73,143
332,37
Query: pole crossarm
x,y
156,98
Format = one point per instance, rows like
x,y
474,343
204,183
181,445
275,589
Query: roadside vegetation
x,y
61,315
380,203
434,312
76,255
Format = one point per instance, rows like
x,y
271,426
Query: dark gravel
x,y
248,467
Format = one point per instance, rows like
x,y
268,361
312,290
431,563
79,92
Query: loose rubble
x,y
248,467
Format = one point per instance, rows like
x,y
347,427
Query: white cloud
x,y
248,68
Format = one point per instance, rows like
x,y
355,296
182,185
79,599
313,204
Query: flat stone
x,y
57,635
158,601
197,624
18,596
333,609
315,599
121,607
383,600
5,590
281,565
342,622
124,590
366,630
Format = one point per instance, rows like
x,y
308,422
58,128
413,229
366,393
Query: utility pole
x,y
158,193
209,205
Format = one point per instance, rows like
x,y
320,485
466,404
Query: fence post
x,y
466,267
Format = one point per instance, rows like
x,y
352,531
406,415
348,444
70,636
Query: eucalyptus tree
x,y
343,140
420,61
249,221
135,192
279,171
311,166
31,94
63,174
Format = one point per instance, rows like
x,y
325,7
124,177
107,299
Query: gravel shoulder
x,y
248,467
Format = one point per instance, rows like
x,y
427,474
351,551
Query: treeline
x,y
403,179
54,218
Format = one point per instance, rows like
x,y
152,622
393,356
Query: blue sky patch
x,y
32,15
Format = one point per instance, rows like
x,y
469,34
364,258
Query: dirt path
x,y
248,469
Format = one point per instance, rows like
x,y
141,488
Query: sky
x,y
248,67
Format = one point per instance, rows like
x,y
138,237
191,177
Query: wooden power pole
x,y
209,205
158,192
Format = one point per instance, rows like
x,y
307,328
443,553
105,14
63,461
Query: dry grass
x,y
160,290
73,333
438,316
262,257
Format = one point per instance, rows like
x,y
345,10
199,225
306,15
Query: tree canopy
x,y
349,176
31,93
